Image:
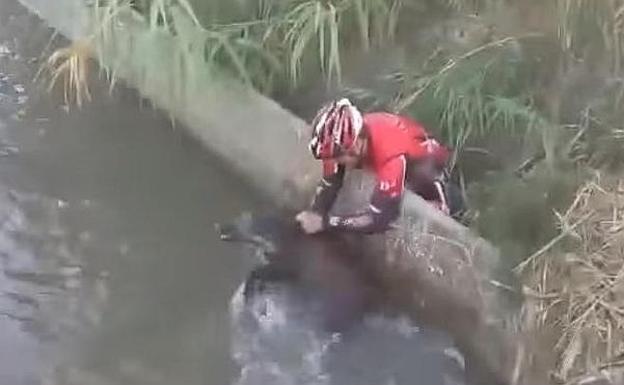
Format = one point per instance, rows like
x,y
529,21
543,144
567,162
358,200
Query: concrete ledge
x,y
69,17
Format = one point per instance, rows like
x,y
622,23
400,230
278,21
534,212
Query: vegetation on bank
x,y
528,92
575,283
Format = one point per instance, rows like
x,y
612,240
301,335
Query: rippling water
x,y
275,342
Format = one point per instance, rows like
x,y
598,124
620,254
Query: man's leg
x,y
456,202
431,184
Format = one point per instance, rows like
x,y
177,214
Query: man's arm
x,y
328,188
385,203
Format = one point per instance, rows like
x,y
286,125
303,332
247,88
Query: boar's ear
x,y
239,230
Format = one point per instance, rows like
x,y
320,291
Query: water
x,y
111,272
275,343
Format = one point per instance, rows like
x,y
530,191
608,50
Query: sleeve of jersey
x,y
385,203
328,187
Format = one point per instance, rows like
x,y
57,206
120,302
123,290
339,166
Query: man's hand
x,y
310,222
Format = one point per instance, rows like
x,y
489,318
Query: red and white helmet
x,y
335,129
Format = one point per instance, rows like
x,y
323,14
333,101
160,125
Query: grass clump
x,y
575,284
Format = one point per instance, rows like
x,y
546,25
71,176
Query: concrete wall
x,y
69,17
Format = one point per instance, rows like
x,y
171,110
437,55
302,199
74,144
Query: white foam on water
x,y
275,341
274,344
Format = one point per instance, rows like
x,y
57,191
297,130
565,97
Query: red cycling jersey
x,y
392,142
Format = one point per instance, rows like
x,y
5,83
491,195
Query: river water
x,y
111,272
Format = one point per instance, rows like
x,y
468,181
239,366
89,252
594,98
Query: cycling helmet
x,y
335,129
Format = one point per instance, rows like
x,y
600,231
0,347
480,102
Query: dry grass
x,y
70,66
575,284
